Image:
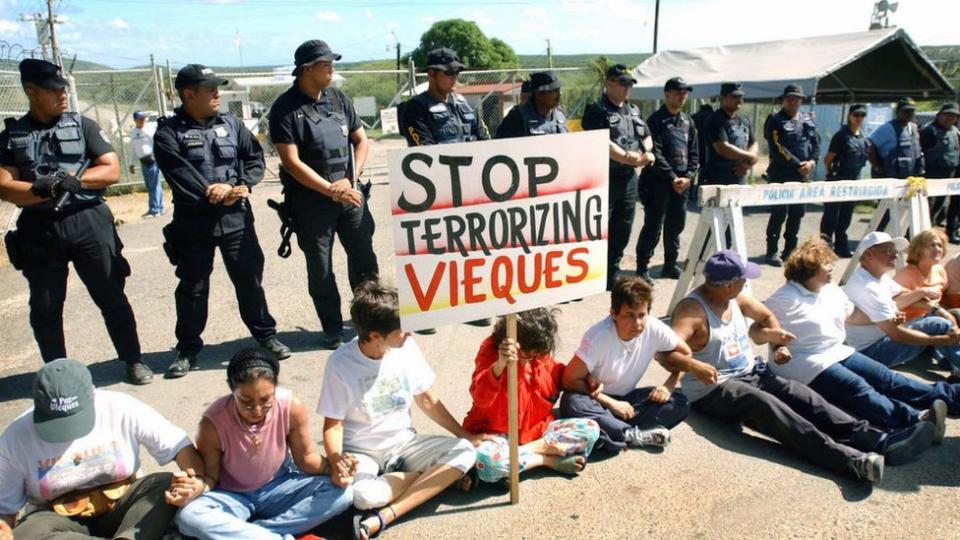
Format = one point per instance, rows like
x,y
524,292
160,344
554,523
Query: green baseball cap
x,y
63,401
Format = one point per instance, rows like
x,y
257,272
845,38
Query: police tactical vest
x,y
901,161
676,141
38,152
325,147
796,135
945,155
538,125
449,122
212,150
626,128
851,158
738,134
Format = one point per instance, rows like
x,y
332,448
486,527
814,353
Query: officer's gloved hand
x,y
45,186
67,183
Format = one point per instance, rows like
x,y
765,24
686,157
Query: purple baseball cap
x,y
727,265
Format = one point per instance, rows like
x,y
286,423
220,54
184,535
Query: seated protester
x,y
712,319
368,387
269,481
74,461
562,445
951,296
882,336
924,271
600,382
812,308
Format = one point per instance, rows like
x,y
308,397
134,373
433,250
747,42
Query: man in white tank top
x,y
712,320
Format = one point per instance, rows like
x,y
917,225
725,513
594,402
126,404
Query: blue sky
x,y
122,33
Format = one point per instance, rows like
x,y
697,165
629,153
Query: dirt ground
x,y
714,481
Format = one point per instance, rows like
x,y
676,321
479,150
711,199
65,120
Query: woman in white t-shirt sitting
x,y
72,463
814,309
369,385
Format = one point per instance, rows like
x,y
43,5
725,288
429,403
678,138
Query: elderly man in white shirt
x,y
882,334
815,310
141,147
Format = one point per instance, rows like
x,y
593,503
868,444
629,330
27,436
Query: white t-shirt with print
x,y
373,397
874,297
619,364
35,471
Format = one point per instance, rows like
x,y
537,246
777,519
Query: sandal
x,y
360,531
568,465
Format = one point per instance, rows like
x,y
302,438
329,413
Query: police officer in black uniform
x,y
441,116
896,152
211,161
630,148
848,153
540,114
700,121
64,219
940,142
794,149
323,148
731,144
666,183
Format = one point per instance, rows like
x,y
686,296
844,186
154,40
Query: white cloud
x,y
9,27
328,16
428,19
480,17
118,23
367,13
536,13
393,25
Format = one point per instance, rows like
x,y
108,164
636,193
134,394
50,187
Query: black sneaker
x,y
844,252
868,467
645,275
670,271
281,351
139,374
903,445
330,340
181,365
481,322
954,239
772,259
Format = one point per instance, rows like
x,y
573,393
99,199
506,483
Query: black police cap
x,y
858,108
544,81
196,74
906,104
731,89
793,90
525,87
444,59
41,73
314,50
676,83
620,73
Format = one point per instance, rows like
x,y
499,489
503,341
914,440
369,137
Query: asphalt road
x,y
713,481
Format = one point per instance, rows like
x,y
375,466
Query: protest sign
x,y
489,228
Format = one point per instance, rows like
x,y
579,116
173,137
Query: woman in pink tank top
x,y
255,442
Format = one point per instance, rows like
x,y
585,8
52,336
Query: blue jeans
x,y
151,177
864,388
292,503
891,354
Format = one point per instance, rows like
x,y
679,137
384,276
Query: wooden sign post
x,y
513,428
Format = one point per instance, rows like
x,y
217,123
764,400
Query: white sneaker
x,y
658,437
937,415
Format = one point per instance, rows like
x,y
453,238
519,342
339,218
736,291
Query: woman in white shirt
x,y
814,309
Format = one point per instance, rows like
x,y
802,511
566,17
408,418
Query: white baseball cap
x,y
878,237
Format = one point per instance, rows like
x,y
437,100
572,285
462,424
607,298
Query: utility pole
x,y
549,55
53,35
656,24
40,24
396,44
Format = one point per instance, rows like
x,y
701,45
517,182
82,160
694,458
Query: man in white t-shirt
x,y
141,147
79,444
600,382
369,386
885,338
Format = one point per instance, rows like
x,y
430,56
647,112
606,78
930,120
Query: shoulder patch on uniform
x,y
458,97
220,131
439,107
